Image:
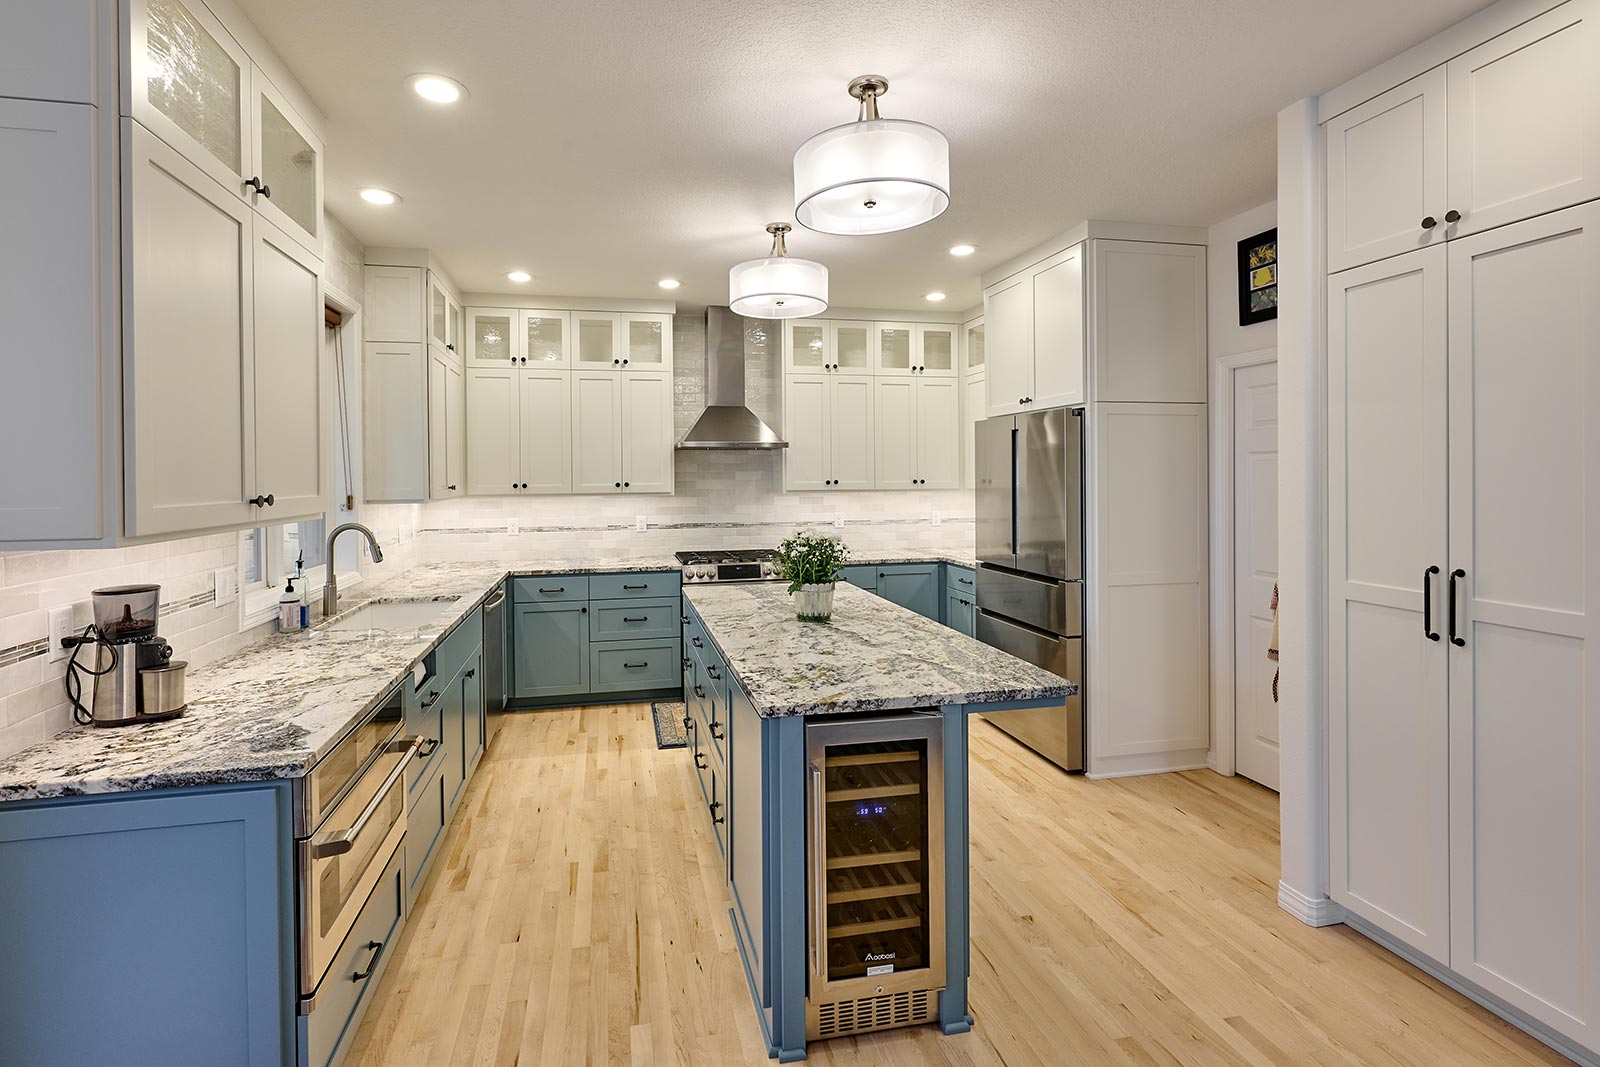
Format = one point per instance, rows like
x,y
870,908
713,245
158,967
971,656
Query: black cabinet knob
x,y
260,186
524,485
616,363
451,488
625,485
624,362
450,348
264,501
1429,222
617,484
1452,216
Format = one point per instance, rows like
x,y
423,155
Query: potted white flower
x,y
813,564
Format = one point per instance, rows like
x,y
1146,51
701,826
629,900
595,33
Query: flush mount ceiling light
x,y
778,287
436,88
381,197
874,175
518,276
669,283
963,250
934,296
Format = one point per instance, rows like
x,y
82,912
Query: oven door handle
x,y
337,844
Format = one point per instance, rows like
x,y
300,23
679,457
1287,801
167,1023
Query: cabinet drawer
x,y
694,636
425,823
633,586
342,997
427,722
625,666
626,620
550,588
960,580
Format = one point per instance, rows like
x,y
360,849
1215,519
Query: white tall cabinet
x,y
1463,670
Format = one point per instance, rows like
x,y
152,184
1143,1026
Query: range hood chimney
x,y
726,421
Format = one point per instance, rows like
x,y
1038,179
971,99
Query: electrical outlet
x,y
513,527
838,519
936,520
226,584
640,523
60,628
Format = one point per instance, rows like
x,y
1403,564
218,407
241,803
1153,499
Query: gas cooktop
x,y
730,565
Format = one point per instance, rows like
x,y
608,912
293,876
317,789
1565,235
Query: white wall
x,y
1226,336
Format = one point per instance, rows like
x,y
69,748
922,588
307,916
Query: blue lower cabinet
x,y
550,650
635,586
630,666
148,929
631,620
865,576
424,718
958,579
912,585
473,726
346,990
427,815
960,614
747,853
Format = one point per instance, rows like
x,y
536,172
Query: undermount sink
x,y
391,615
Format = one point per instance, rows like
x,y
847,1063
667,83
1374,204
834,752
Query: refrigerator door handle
x,y
1016,498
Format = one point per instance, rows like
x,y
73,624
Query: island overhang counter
x,y
833,762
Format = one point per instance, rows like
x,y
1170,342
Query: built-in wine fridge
x,y
875,859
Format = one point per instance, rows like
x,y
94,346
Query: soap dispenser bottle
x,y
289,609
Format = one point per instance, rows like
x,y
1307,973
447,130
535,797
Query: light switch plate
x,y
641,523
227,585
60,628
838,519
936,520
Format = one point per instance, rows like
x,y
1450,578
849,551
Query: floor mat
x,y
669,723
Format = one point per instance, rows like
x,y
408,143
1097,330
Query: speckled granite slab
x,y
275,708
868,559
873,656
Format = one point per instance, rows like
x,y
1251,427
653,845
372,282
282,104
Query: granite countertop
x,y
873,656
867,559
273,709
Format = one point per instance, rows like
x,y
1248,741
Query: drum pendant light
x,y
874,175
778,287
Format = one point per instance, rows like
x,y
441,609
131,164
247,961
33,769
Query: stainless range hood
x,y
726,422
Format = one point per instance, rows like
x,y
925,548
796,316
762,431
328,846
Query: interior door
x,y
895,416
1387,507
1525,648
1255,569
596,432
938,433
288,376
850,430
1386,174
647,432
1524,113
546,432
493,445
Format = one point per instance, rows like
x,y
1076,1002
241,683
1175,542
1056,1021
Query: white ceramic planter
x,y
814,603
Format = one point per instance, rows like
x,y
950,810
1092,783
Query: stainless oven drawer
x,y
339,864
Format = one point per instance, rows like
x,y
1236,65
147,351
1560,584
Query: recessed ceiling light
x,y
934,296
519,276
963,250
436,88
381,197
669,283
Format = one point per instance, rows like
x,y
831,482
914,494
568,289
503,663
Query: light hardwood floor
x,y
577,917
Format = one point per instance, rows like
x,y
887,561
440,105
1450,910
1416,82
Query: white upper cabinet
x,y
973,348
438,312
937,349
394,402
806,345
1386,174
1058,330
48,51
598,346
187,333
806,412
647,455
894,346
646,342
288,158
938,433
851,346
1524,121
289,453
189,84
546,339
545,430
494,446
447,427
1008,318
492,338
895,426
1149,326
596,432
851,432
390,310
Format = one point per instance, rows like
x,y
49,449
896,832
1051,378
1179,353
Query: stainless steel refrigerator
x,y
1029,504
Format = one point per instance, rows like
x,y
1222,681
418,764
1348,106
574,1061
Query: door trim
x,y
1220,757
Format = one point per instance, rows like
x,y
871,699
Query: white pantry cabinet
x,y
1464,560
519,437
1506,131
622,432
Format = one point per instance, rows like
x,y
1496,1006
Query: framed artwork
x,y
1258,277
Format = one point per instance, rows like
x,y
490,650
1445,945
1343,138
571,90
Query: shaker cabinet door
x,y
647,433
493,444
938,433
288,164
596,432
851,430
1008,328
1386,174
288,377
895,432
546,434
805,427
1059,340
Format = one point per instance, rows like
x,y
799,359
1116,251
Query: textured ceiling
x,y
606,145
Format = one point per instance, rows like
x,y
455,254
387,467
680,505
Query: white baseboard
x,y
1512,1015
1313,911
1158,763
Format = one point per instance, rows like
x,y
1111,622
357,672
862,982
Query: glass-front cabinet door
x,y
546,334
438,312
875,858
647,342
892,342
288,167
852,345
935,351
597,340
975,351
189,83
807,347
492,338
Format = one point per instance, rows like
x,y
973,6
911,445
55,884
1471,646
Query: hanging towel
x,y
1272,649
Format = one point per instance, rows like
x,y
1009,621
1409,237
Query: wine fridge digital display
x,y
876,929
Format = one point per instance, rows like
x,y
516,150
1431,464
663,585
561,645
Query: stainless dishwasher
x,y
495,636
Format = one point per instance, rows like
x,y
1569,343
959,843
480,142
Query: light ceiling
x,y
606,145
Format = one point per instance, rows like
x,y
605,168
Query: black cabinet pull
x,y
1455,576
1427,604
714,724
968,581
432,746
644,586
372,964
713,673
636,618
696,642
684,619
697,757
698,691
263,501
451,488
260,186
712,807
472,672
636,666
686,663
557,589
686,721
1429,222
433,698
